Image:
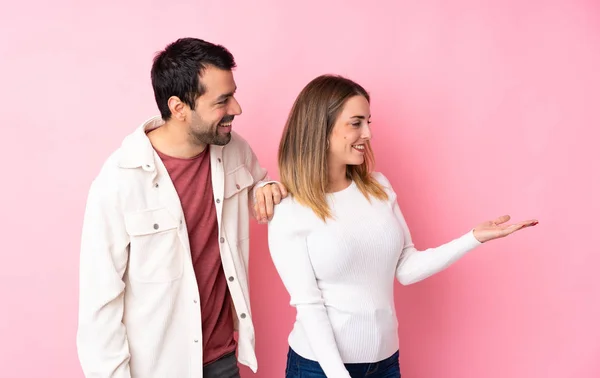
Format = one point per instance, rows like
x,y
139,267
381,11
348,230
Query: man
x,y
164,255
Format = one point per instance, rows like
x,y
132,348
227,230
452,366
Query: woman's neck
x,y
337,179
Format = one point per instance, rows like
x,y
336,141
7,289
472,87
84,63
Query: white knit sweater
x,y
340,274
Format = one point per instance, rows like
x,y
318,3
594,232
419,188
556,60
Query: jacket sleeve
x,y
102,344
259,175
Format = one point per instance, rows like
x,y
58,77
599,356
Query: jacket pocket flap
x,y
237,180
148,222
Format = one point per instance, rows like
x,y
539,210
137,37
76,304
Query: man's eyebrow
x,y
225,96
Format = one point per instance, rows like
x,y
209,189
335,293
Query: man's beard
x,y
213,136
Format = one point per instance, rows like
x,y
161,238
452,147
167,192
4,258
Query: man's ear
x,y
178,109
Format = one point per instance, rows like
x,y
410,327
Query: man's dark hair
x,y
176,71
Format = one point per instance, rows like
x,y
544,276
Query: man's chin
x,y
222,139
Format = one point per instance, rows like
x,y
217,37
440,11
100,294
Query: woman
x,y
340,239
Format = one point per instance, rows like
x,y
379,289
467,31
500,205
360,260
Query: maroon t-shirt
x,y
192,180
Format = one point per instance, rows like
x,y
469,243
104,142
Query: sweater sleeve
x,y
413,265
287,244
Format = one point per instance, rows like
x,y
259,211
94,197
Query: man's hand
x,y
266,198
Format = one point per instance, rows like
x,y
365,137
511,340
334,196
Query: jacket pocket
x,y
237,181
236,206
155,250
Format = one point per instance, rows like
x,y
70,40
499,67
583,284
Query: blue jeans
x,y
300,367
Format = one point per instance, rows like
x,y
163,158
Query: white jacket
x,y
139,307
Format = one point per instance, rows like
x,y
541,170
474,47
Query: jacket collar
x,y
137,151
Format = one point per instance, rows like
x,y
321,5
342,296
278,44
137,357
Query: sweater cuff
x,y
469,241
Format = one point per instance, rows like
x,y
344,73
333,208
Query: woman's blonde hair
x,y
303,147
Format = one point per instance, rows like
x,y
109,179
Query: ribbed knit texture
x,y
340,274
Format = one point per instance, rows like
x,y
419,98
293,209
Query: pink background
x,y
480,108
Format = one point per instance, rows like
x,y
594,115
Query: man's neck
x,y
173,140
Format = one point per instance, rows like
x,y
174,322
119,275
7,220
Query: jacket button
x,y
231,279
156,226
222,240
237,186
218,200
243,316
219,160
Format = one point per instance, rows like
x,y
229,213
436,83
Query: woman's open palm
x,y
499,228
